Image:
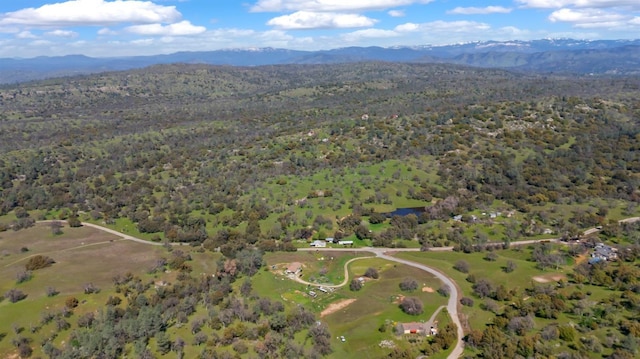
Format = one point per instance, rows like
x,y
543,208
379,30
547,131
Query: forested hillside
x,y
265,159
189,151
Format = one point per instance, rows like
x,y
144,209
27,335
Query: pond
x,y
406,211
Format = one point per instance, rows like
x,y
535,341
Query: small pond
x,y
406,211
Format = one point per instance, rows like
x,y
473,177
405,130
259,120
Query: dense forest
x,y
192,152
252,160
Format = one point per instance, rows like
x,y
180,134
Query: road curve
x,y
452,304
344,282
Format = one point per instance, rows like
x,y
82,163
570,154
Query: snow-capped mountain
x,y
620,57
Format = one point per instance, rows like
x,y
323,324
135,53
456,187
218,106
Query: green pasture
x,y
82,255
376,304
522,277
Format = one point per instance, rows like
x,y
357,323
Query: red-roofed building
x,y
412,328
294,268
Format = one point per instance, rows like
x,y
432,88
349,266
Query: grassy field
x,y
523,276
85,255
375,305
526,275
82,255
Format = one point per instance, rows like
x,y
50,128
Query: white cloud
x,y
92,12
556,4
479,10
330,5
369,34
512,32
26,35
396,13
106,31
593,18
62,33
142,42
408,27
40,43
322,20
181,28
444,27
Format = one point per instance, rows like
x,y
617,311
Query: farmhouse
x,y
412,328
603,253
318,244
294,268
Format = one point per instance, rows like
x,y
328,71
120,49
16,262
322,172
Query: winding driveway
x,y
344,282
452,304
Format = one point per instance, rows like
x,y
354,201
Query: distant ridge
x,y
601,57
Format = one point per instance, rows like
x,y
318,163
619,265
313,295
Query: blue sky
x,y
102,28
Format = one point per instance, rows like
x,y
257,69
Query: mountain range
x,y
560,56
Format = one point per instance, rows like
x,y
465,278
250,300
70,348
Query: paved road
x,y
452,305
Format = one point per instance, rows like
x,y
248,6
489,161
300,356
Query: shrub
x,y
411,305
466,301
461,266
444,291
567,333
71,302
74,221
89,288
38,262
482,288
491,256
114,301
240,347
510,267
355,285
408,285
51,292
372,273
550,332
14,295
376,218
23,276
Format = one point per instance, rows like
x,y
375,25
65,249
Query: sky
x,y
113,28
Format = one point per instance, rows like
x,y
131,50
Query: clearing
x,y
549,278
336,306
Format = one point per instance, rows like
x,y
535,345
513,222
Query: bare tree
x,y
461,266
372,273
14,295
411,305
355,285
408,285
